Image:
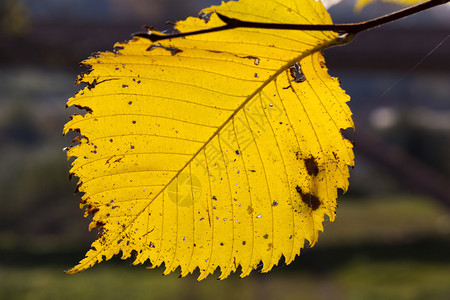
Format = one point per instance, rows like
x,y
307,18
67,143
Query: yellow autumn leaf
x,y
215,150
360,4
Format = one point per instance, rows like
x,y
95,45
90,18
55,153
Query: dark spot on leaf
x,y
244,242
134,122
172,50
249,210
91,210
266,236
275,203
87,109
214,198
214,51
132,147
124,85
111,140
311,166
92,84
131,102
151,245
237,152
256,59
221,244
253,171
310,200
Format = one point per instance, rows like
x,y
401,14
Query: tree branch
x,y
351,28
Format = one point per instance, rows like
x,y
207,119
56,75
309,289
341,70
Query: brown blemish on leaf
x,y
92,84
311,166
256,59
250,210
100,224
91,210
214,51
133,254
87,109
310,200
173,51
335,155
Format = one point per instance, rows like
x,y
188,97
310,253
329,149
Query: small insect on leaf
x,y
192,152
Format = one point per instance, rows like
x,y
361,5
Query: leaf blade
x,y
242,148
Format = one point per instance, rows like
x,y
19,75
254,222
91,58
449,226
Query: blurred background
x,y
391,239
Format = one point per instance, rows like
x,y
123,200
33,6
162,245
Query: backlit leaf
x,y
214,150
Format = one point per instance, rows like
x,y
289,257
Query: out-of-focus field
x,y
379,248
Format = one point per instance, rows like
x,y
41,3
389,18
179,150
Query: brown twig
x,y
351,28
